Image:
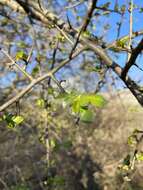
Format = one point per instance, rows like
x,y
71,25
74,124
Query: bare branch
x,y
84,25
134,34
37,81
52,19
109,10
74,5
132,86
131,27
132,59
13,62
13,4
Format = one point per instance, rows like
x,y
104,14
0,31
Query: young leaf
x,y
52,143
139,156
132,140
17,119
12,121
35,71
21,55
40,102
21,44
86,116
76,106
97,100
123,9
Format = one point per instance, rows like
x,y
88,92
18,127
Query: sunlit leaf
x,y
40,57
12,121
40,102
122,42
17,119
80,103
76,106
21,55
106,5
139,156
123,8
21,44
52,143
86,116
132,140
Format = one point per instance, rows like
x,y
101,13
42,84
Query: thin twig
x,y
53,60
58,83
134,34
74,5
37,81
131,27
133,57
84,25
30,54
109,10
64,34
13,62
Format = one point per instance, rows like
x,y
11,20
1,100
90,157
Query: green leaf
x,y
21,55
12,121
52,143
21,44
60,37
123,9
106,5
80,100
56,181
17,119
35,70
86,116
97,100
139,156
50,91
40,57
4,22
67,144
141,10
59,180
79,104
68,98
8,119
132,140
19,187
93,99
116,8
122,42
86,34
40,102
76,106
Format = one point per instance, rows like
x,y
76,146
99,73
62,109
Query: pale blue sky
x,y
112,19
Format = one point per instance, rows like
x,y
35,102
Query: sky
x,y
111,34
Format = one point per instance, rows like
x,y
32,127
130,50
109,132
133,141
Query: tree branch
x,y
134,34
132,86
84,25
13,5
51,18
13,62
132,59
38,80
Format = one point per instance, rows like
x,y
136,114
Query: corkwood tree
x,y
68,52
49,35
